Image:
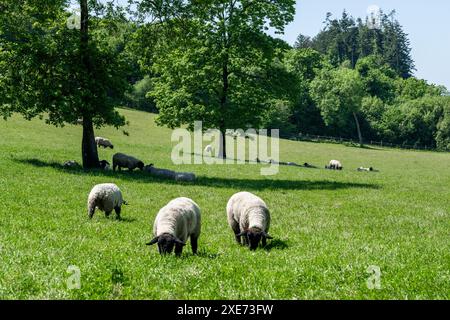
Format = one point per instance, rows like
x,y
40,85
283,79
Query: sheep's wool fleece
x,y
335,163
180,217
107,196
249,211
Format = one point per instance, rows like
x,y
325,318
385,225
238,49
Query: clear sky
x,y
426,21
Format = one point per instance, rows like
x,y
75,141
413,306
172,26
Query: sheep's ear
x,y
267,236
154,240
179,241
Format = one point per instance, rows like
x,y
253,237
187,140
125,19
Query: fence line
x,y
340,140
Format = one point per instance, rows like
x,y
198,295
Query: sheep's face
x,y
166,243
254,236
140,165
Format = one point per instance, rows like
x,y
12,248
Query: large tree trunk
x,y
361,143
88,146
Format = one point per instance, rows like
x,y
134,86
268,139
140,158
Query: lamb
x,y
121,160
174,223
334,165
103,142
365,169
248,216
105,197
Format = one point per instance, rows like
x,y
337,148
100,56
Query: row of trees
x,y
212,61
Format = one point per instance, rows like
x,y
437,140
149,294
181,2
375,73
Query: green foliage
x,y
347,39
338,93
138,99
42,69
443,128
216,66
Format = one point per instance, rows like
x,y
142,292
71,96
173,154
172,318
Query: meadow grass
x,y
329,226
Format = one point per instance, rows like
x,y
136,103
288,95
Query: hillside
x,y
329,226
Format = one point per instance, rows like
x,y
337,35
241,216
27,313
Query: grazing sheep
x,y
365,169
105,165
175,222
184,176
103,142
307,165
121,160
71,164
248,216
105,197
169,174
334,165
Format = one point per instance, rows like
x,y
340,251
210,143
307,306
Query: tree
x,y
216,68
347,39
58,72
339,93
304,65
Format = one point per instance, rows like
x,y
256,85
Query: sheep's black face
x,y
166,243
254,236
140,165
253,239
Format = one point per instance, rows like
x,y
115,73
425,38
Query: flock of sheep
x,y
248,217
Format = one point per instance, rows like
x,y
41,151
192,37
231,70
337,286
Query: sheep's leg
x,y
194,244
107,213
245,240
117,210
178,249
263,241
236,230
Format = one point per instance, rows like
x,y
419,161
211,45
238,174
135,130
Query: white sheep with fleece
x,y
335,164
103,142
174,223
248,216
106,197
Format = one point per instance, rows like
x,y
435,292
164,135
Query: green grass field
x,y
329,227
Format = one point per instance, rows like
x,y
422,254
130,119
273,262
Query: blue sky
x,y
426,21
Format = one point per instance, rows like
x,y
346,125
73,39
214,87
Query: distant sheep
x,y
105,165
121,160
106,197
71,164
103,142
169,174
334,165
365,169
249,217
174,223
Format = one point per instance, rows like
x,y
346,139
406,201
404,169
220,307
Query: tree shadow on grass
x,y
214,182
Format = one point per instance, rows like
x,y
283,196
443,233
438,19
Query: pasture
x,y
329,226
